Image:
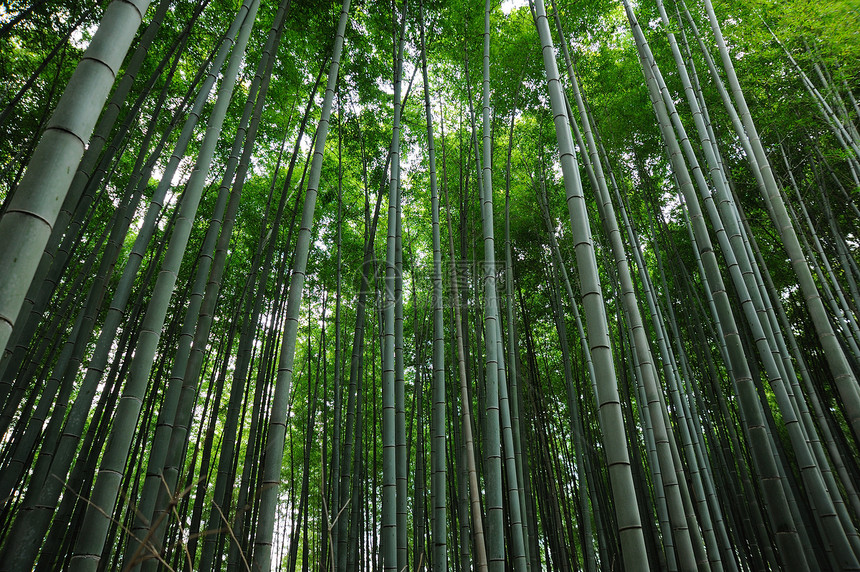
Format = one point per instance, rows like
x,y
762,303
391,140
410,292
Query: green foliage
x,y
355,164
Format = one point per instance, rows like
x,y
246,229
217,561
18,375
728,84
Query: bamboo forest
x,y
414,285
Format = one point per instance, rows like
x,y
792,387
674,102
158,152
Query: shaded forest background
x,y
407,285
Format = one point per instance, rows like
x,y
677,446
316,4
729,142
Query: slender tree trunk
x,y
276,430
438,464
629,523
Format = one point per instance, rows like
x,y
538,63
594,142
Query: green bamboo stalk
x,y
513,355
576,427
765,337
465,404
333,509
73,348
492,431
843,313
42,497
27,223
621,478
438,475
780,515
392,359
648,375
89,176
170,438
844,378
700,471
88,548
275,437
